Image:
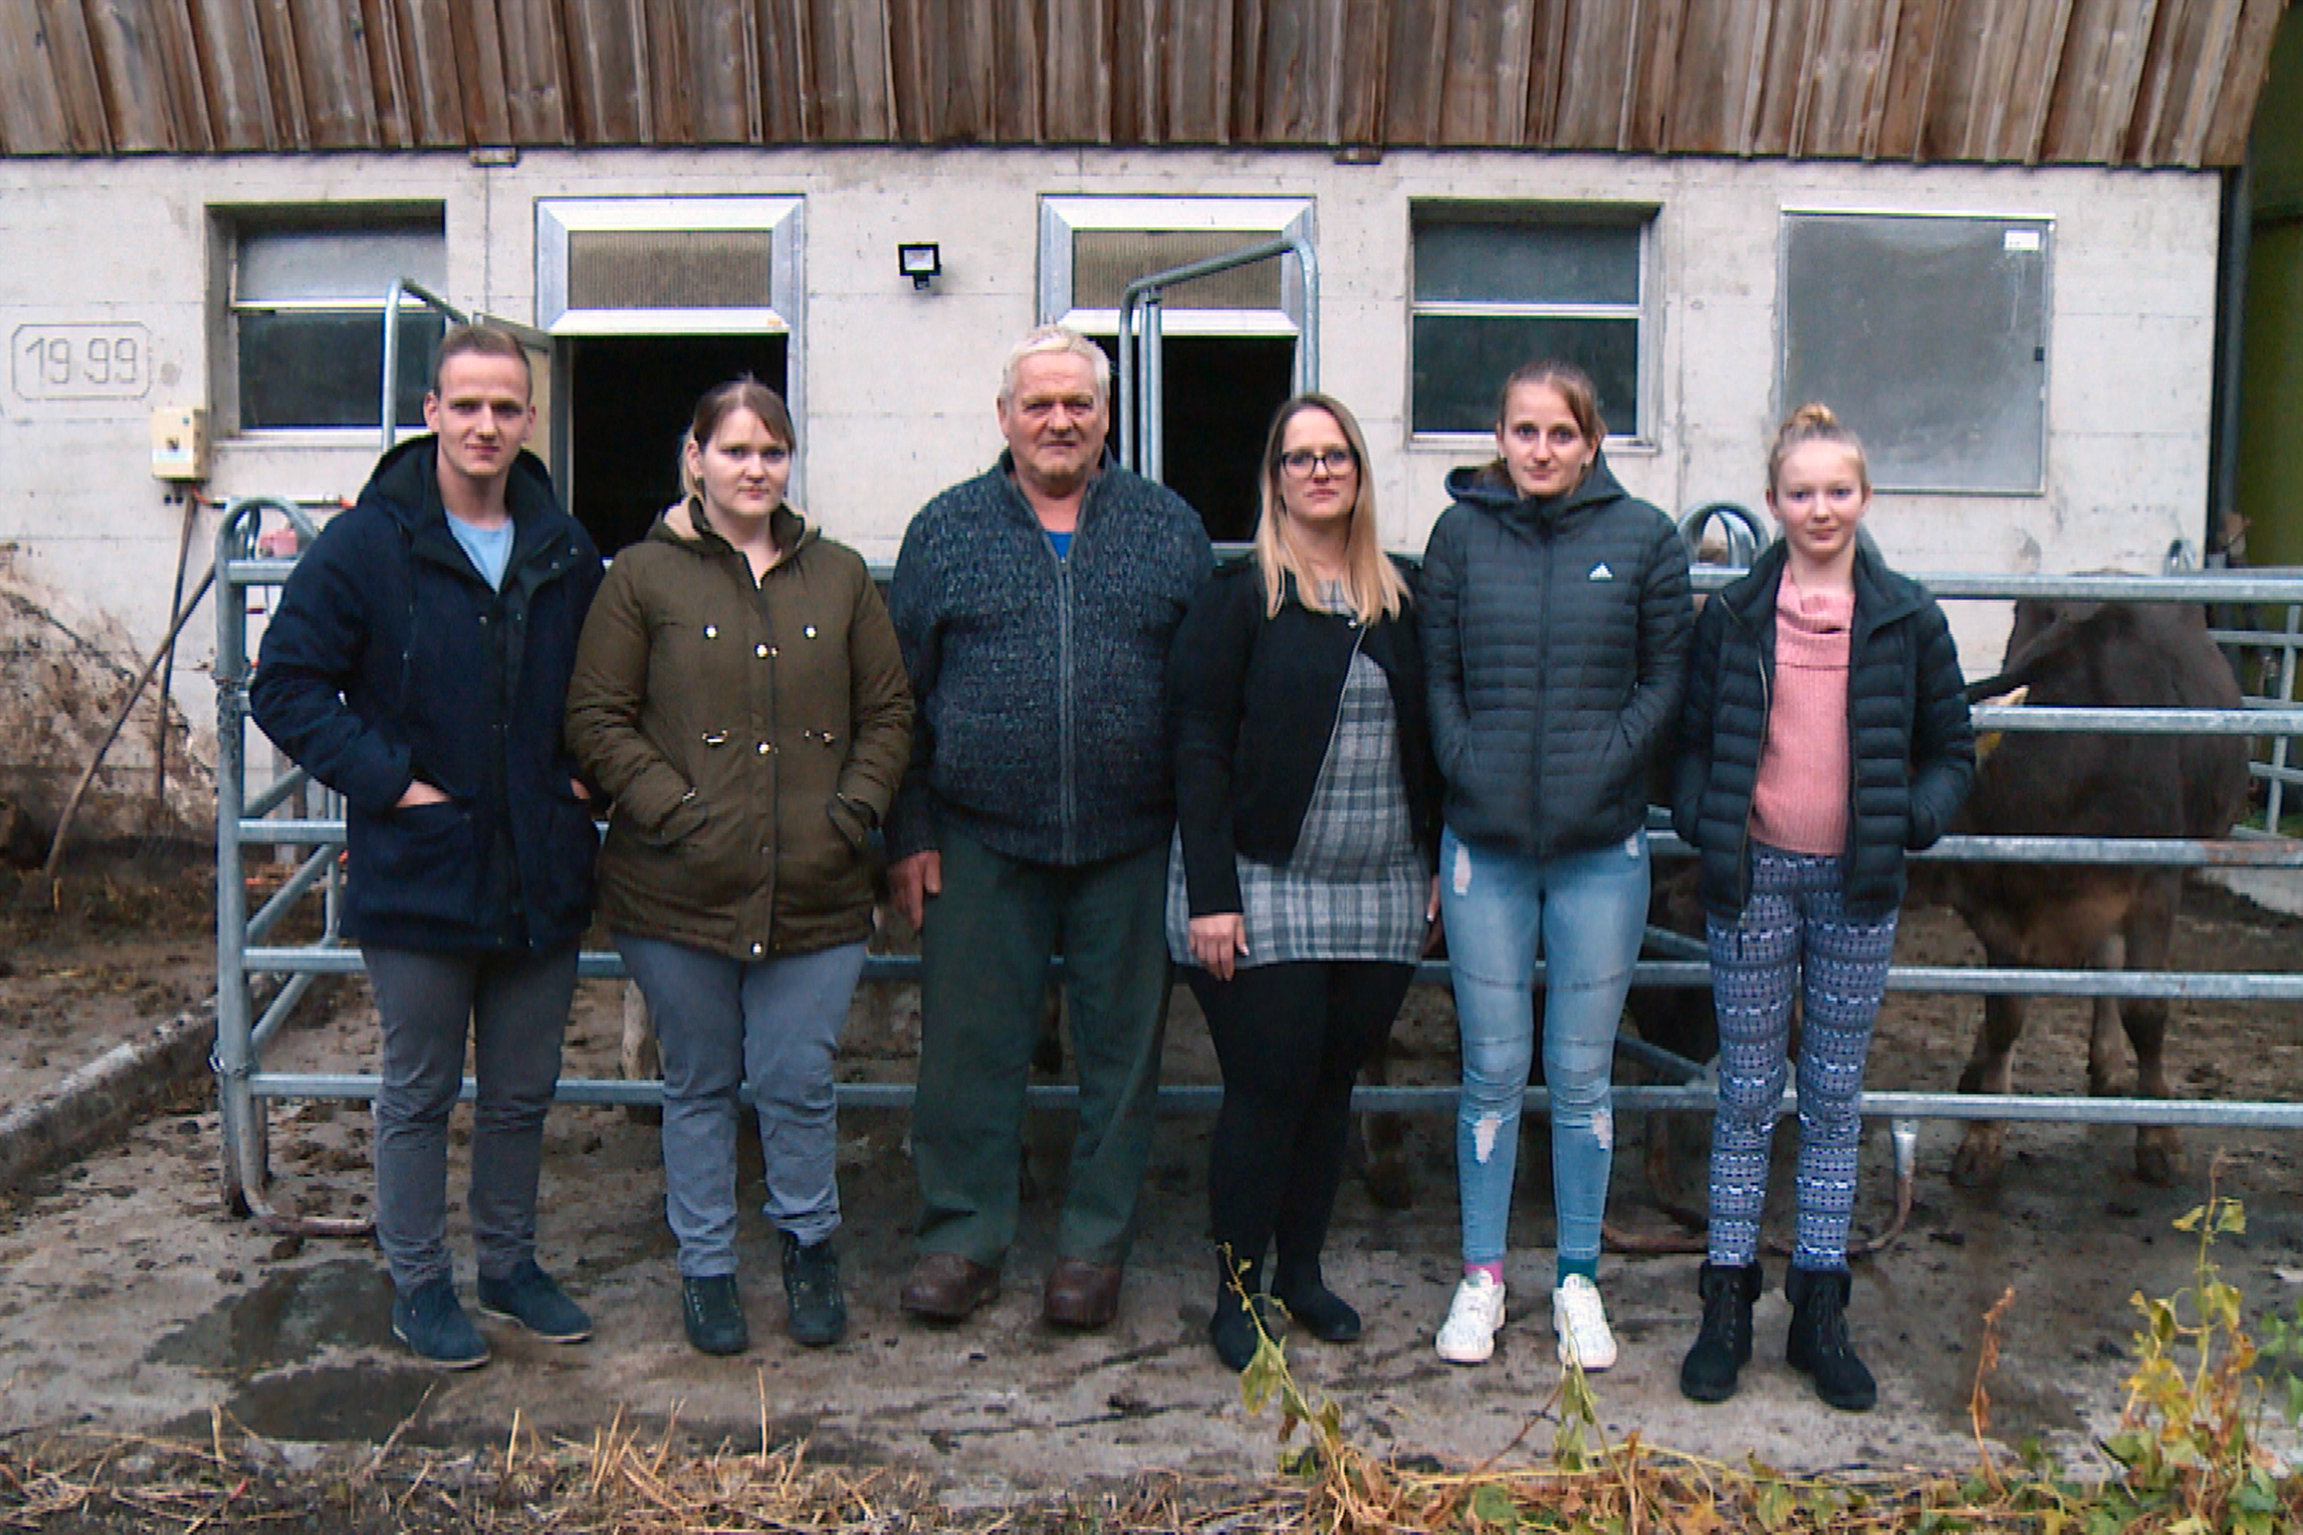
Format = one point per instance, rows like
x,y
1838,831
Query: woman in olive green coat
x,y
739,694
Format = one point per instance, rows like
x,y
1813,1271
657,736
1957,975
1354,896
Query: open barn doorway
x,y
1217,397
629,401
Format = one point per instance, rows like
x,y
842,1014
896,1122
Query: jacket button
x,y
765,748
757,950
773,651
809,631
711,631
761,651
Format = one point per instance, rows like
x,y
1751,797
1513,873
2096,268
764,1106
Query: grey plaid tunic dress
x,y
1355,886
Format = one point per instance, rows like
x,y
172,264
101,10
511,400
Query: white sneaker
x,y
1581,1322
1468,1334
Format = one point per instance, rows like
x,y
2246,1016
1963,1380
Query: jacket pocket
x,y
419,862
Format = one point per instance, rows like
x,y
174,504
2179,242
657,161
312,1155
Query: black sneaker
x,y
1819,1346
714,1313
819,1313
431,1321
528,1296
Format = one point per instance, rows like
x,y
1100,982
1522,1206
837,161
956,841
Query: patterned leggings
x,y
1792,930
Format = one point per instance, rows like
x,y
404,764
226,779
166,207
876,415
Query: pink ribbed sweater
x,y
1800,801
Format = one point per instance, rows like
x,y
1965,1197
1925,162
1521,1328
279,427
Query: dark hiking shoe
x,y
1723,1347
714,1313
819,1313
430,1320
1820,1347
529,1297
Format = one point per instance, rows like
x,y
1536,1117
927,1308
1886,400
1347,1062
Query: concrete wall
x,y
899,384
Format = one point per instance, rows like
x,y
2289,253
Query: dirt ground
x,y
133,1303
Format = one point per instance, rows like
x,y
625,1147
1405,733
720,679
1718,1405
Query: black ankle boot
x,y
1232,1329
1820,1347
1321,1312
1723,1346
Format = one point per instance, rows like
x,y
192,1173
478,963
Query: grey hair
x,y
1058,339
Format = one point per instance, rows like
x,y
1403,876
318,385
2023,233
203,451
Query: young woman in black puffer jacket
x,y
1825,734
1555,625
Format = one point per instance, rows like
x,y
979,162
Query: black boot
x,y
1820,1347
1233,1327
818,1315
1723,1347
1324,1314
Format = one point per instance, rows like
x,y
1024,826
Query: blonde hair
x,y
1814,423
1371,583
1064,341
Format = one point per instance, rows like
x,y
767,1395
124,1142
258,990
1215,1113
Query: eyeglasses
x,y
1302,461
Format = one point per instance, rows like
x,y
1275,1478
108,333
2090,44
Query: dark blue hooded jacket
x,y
389,660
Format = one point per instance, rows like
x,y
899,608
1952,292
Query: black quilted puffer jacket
x,y
1911,745
1555,635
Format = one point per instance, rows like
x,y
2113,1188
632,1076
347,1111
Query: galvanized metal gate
x,y
245,962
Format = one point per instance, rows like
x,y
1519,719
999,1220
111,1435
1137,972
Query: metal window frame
x,y
1251,218
1582,214
1790,213
782,216
240,221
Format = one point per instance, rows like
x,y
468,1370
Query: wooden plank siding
x,y
2106,82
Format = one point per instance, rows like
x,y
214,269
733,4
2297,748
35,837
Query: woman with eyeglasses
x,y
1299,894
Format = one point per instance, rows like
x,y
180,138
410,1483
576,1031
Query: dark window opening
x,y
630,401
1219,394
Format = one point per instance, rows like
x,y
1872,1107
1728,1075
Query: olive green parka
x,y
751,736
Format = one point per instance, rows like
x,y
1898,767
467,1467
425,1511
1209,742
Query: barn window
x,y
1499,285
1228,349
307,306
1927,333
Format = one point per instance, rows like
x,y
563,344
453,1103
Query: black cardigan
x,y
1911,746
1252,702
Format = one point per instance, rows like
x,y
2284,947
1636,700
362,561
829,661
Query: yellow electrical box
x,y
179,443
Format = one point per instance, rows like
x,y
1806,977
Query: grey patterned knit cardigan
x,y
1040,681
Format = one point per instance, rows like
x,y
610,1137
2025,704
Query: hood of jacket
x,y
406,482
682,525
1489,490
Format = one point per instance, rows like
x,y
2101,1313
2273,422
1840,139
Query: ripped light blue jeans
x,y
1584,913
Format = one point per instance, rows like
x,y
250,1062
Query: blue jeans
x,y
731,1032
1585,913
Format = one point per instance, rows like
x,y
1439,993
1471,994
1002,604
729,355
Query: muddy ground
x,y
132,1302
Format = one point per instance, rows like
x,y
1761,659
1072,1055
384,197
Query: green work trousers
x,y
984,956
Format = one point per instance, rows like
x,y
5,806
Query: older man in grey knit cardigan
x,y
1034,605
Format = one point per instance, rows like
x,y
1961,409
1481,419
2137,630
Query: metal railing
x,y
1142,383
245,822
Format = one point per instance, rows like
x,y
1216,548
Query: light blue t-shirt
x,y
490,549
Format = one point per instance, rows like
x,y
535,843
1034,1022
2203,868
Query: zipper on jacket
x,y
1766,724
1067,789
1543,837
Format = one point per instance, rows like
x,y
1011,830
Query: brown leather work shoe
x,y
945,1287
1081,1294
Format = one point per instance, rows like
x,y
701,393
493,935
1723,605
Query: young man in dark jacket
x,y
1034,605
418,665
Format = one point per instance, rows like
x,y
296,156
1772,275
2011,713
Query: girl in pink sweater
x,y
1825,734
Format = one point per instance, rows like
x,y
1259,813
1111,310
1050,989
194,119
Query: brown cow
x,y
2086,654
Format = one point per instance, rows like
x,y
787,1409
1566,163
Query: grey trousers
x,y
730,1033
515,1007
